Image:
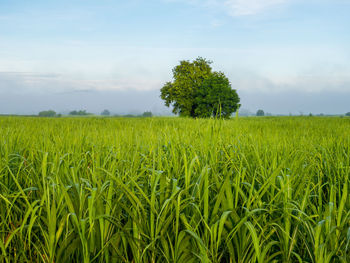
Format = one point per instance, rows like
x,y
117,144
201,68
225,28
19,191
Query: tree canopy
x,y
47,113
260,113
197,91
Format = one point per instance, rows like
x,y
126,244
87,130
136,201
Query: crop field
x,y
271,189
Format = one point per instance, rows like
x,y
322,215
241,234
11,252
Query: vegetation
x,y
198,92
347,114
105,113
147,114
260,113
80,113
143,115
47,113
174,190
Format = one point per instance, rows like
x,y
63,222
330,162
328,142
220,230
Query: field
x,y
174,190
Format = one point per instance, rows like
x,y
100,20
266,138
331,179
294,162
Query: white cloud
x,y
250,7
49,83
237,7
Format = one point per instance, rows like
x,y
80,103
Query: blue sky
x,y
295,51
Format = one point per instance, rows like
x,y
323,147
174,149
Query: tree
x,y
47,113
147,114
198,92
260,113
347,114
216,97
105,113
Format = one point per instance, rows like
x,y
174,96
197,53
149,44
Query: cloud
x,y
296,102
236,7
44,83
251,7
29,93
306,82
22,92
30,82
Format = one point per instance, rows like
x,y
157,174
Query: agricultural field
x,y
270,189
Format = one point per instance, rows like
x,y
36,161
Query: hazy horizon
x,y
282,56
136,102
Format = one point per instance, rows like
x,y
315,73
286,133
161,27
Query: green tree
x,y
47,113
260,113
216,97
347,114
191,93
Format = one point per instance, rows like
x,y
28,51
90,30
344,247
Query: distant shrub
x,y
47,113
347,114
105,113
260,113
80,113
147,114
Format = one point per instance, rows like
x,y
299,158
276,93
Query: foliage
x,y
347,114
260,113
79,113
174,190
105,113
215,97
147,114
198,92
47,113
143,115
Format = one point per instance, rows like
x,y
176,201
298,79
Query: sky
x,y
282,56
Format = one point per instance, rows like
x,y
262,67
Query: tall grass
x,y
174,190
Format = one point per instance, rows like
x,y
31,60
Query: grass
x,y
174,190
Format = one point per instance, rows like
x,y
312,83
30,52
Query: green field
x,y
174,190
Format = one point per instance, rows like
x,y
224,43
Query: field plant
x,y
270,189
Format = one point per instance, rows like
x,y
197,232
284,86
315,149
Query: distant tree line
x,y
146,114
260,112
52,113
79,113
48,113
